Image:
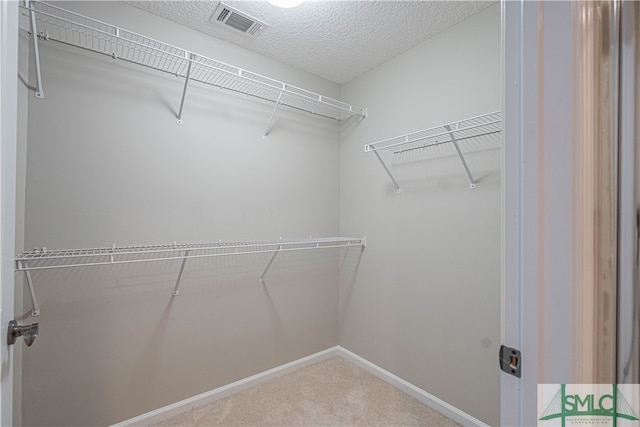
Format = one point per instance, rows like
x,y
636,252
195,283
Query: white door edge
x,y
8,135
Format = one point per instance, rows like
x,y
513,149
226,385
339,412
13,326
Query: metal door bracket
x,y
510,361
29,332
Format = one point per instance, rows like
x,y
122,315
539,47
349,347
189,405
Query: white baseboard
x,y
199,400
417,393
205,398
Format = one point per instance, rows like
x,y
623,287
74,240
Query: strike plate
x,y
510,361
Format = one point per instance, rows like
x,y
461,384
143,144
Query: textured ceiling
x,y
336,40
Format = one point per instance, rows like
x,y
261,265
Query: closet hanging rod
x,y
126,254
71,28
450,133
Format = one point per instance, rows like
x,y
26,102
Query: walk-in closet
x,y
192,212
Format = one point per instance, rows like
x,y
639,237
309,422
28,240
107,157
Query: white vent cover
x,y
232,17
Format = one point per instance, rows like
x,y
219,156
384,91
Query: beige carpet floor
x,y
330,393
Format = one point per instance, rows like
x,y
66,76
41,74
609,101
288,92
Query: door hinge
x,y
510,361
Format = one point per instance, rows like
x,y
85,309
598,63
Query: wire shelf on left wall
x,y
50,22
46,259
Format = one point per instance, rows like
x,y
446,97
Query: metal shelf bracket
x,y
472,181
176,289
35,311
186,83
386,168
273,114
36,50
273,257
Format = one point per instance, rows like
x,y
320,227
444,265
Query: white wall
x,y
424,301
107,164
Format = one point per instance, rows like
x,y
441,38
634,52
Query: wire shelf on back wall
x,y
47,259
450,133
50,22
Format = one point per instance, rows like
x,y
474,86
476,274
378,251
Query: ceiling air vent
x,y
232,17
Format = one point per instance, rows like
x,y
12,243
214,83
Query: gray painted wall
x,y
424,302
107,163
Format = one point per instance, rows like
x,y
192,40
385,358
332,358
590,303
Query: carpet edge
x,y
417,393
182,406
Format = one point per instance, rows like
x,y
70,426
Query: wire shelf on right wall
x,y
450,133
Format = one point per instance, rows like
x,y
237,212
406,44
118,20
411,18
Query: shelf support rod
x,y
36,51
472,181
384,165
184,91
176,289
273,257
273,114
35,311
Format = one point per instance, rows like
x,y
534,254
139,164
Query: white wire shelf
x,y
454,132
42,259
50,22
46,259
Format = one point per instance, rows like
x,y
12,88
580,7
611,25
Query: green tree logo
x,y
564,406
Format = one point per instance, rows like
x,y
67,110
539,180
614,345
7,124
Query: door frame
x,y
543,190
538,300
519,214
8,134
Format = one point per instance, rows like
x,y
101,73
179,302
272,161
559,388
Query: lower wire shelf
x,y
46,259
